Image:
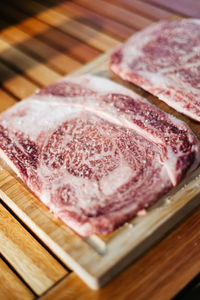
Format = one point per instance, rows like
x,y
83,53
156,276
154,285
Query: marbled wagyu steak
x,y
95,152
164,59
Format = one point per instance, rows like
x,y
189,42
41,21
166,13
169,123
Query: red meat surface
x,y
95,152
164,59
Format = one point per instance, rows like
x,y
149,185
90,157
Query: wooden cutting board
x,y
97,259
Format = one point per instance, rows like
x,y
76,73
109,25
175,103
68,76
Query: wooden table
x,y
41,41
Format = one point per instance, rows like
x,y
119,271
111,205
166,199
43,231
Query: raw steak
x,y
95,152
164,59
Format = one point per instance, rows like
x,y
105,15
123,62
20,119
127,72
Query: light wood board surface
x,y
11,286
32,262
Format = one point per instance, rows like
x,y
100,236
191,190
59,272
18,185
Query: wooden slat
x,y
6,100
144,8
32,9
58,39
101,23
11,287
87,34
24,63
16,84
119,14
184,7
49,35
56,18
159,274
46,54
35,265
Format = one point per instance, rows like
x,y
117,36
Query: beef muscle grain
x,y
95,152
164,59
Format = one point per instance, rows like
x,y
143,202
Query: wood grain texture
x,y
101,23
144,8
12,288
34,264
24,63
6,100
46,54
159,274
58,39
55,17
51,36
184,7
15,83
119,14
93,37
